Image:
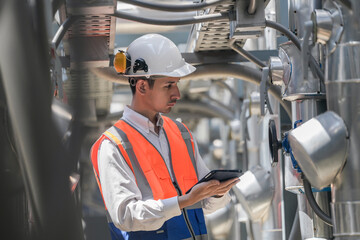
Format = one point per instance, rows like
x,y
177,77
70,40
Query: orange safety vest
x,y
153,178
151,163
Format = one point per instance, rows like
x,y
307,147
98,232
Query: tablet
x,y
220,174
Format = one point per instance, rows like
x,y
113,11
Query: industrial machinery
x,y
275,94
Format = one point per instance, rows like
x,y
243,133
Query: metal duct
x,y
194,110
342,87
244,73
255,192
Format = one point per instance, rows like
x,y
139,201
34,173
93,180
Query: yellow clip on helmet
x,y
150,55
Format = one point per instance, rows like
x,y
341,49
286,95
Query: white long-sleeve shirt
x,y
128,208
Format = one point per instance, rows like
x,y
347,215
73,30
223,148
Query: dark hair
x,y
133,80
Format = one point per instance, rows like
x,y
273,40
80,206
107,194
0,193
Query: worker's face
x,y
164,94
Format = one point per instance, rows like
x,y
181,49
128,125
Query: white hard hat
x,y
153,54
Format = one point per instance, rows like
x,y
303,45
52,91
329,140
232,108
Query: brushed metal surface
x,y
320,146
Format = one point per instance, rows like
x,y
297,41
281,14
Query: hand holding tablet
x,y
220,175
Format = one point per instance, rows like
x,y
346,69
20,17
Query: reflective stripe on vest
x,y
152,164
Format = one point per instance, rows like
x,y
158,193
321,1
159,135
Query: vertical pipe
x,y
310,226
342,79
14,218
342,87
26,80
304,108
272,223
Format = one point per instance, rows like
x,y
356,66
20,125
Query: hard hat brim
x,y
183,71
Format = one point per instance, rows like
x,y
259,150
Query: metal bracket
x,y
248,25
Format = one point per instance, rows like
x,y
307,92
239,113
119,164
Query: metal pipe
x,y
173,7
62,30
233,44
342,95
252,7
109,74
233,95
244,132
210,71
293,38
200,110
208,98
237,71
192,20
26,80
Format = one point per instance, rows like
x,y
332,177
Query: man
x,y
146,162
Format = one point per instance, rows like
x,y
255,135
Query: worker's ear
x,y
141,86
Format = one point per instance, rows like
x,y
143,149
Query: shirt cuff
x,y
171,207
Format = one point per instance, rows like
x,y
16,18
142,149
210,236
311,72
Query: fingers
x,y
213,187
225,186
231,182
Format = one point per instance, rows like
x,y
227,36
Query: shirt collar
x,y
141,122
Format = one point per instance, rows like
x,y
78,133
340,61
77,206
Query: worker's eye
x,y
168,86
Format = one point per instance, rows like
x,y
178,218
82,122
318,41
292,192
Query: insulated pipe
x,y
201,109
209,71
26,81
236,71
233,95
342,95
109,74
187,109
173,7
192,20
253,59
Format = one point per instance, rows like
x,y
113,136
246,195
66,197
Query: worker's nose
x,y
176,94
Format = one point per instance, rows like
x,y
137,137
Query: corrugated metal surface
x,y
213,35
